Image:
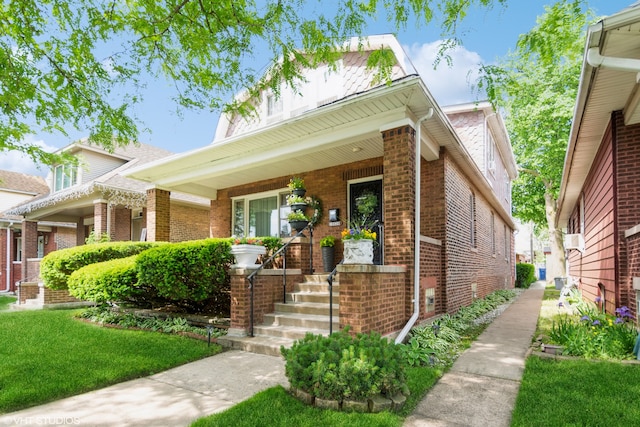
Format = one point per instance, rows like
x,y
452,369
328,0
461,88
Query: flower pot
x,y
246,255
328,253
298,206
299,192
298,225
358,251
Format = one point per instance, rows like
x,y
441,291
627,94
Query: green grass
x,y
5,301
578,392
47,355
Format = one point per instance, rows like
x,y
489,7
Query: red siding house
x,y
599,202
441,176
93,196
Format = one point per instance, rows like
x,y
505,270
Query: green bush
x,y
525,275
57,266
188,274
111,281
342,367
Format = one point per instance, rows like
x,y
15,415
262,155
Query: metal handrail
x,y
330,280
251,277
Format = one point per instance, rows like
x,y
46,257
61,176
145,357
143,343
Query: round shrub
x,y
341,367
188,272
109,281
525,275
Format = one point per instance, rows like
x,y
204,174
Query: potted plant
x,y
296,186
296,202
246,251
327,247
298,220
358,245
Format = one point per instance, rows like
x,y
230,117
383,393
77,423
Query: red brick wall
x,y
431,276
120,226
189,223
370,297
100,218
627,176
464,264
29,247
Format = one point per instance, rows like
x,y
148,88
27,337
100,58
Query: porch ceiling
x,y
342,132
602,91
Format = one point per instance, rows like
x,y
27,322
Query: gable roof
x,y
608,83
17,182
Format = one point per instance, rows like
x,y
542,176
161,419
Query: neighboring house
x,y
95,197
16,188
599,202
345,135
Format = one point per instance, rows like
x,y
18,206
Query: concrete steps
x,y
306,311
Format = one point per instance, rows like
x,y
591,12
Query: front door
x,y
358,190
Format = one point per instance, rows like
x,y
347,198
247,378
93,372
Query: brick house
x,y
16,188
599,202
345,135
93,196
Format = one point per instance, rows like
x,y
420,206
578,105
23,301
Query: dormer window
x,y
65,176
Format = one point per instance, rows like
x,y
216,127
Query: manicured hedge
x,y
106,281
57,266
188,272
525,275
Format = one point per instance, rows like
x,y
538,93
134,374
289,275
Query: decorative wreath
x,y
316,204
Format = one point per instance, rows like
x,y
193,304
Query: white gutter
x,y
416,252
620,64
8,267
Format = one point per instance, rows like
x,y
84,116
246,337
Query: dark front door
x,y
358,192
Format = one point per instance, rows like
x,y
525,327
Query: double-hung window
x,y
263,214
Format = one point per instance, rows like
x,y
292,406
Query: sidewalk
x,y
481,387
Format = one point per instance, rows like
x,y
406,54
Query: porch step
x,y
306,308
306,311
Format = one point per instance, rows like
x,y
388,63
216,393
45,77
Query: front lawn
x,y
575,391
48,354
578,392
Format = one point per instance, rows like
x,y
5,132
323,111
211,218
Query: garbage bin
x,y
560,282
542,274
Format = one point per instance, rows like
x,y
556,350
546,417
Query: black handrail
x,y
252,275
330,280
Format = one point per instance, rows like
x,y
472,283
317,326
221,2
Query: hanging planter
x,y
296,186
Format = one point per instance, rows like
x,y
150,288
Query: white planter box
x,y
246,255
358,251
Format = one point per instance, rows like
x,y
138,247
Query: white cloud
x,y
449,84
15,161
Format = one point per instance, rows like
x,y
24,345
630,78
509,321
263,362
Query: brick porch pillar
x,y
29,247
399,200
100,223
158,215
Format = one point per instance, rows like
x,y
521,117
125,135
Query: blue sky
x,y
487,35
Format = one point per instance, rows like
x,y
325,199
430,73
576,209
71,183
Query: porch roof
x,y
345,131
605,87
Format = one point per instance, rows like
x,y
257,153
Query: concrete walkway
x,y
481,387
479,390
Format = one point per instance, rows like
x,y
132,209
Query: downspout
x,y
8,266
416,252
